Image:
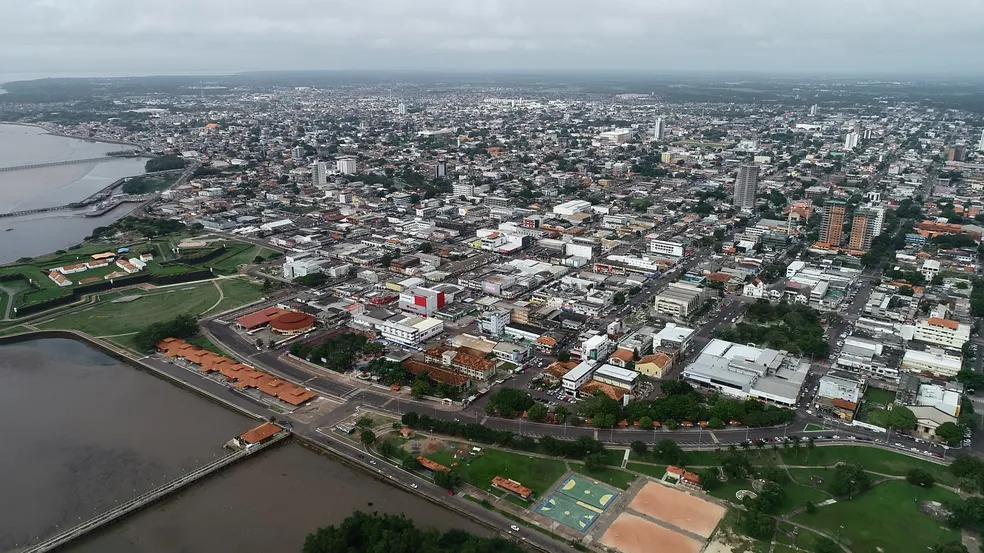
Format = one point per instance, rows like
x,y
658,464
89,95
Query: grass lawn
x,y
613,477
877,395
535,473
106,318
796,494
236,254
690,459
873,459
813,427
237,291
614,457
656,471
12,330
884,519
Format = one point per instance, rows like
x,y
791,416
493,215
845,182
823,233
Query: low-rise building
x,y
930,363
615,376
944,332
678,300
672,335
655,365
747,372
840,393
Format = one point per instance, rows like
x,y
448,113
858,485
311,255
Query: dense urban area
x,y
697,316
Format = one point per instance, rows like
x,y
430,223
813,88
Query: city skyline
x,y
109,37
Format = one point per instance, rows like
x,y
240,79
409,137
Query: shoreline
x,y
52,132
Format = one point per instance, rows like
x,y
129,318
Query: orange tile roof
x,y
844,404
260,433
623,355
512,486
658,358
259,318
431,465
437,374
946,323
593,386
560,368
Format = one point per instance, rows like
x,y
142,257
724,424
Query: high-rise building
x,y
832,224
659,129
346,165
297,153
746,184
401,109
865,226
319,173
852,140
441,169
980,145
813,110
956,152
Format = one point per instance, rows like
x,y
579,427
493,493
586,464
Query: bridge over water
x,y
67,162
141,501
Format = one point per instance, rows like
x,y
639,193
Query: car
x,y
372,461
514,528
414,486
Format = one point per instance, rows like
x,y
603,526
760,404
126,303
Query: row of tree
x,y
181,326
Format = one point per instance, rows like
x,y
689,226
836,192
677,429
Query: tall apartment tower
x,y
746,184
980,145
659,129
813,110
319,174
832,224
401,109
346,165
866,225
852,140
441,169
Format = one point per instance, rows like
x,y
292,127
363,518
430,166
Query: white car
x,y
514,528
414,486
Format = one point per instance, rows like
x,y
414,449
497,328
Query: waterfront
x,y
91,431
267,503
52,186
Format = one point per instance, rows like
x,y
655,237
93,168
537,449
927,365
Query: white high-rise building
x,y
852,140
297,153
346,165
401,109
746,185
813,110
980,145
319,174
659,129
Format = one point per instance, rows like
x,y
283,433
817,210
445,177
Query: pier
x,y
97,197
143,500
57,163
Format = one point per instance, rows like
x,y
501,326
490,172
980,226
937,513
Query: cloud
x,y
763,36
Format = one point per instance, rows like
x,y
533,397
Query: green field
x,y
884,519
878,396
813,428
872,459
236,254
106,318
237,291
611,476
536,473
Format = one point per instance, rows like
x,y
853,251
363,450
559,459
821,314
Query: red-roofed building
x,y
512,487
259,318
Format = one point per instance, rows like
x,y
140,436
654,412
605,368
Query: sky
x,y
143,37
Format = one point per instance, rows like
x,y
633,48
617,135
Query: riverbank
x,y
52,132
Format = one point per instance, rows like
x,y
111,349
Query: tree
x,y
537,412
259,342
811,507
669,452
849,480
619,298
563,356
594,462
949,432
419,388
410,463
181,326
639,447
510,401
367,437
715,423
645,423
670,424
267,285
920,477
363,422
901,417
447,479
823,544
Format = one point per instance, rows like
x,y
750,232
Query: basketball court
x,y
577,503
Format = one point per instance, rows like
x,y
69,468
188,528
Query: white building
x,y
841,385
678,299
346,165
931,363
567,209
676,336
410,331
665,247
616,136
319,174
578,376
748,372
930,268
466,189
943,332
659,129
401,109
625,379
597,347
294,268
852,140
493,323
423,301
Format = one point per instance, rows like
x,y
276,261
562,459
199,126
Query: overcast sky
x,y
139,37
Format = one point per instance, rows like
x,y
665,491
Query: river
x,y
87,432
32,235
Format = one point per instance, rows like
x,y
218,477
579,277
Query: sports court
x,y
577,503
